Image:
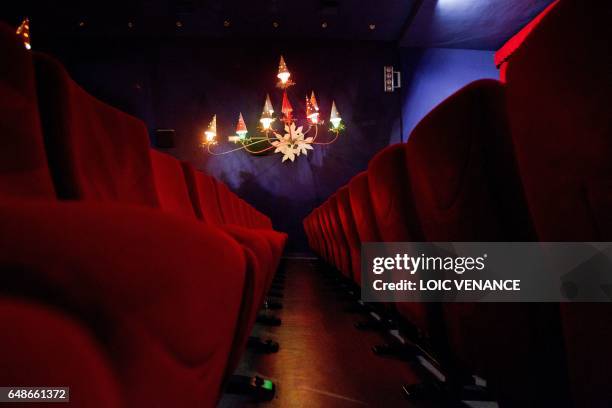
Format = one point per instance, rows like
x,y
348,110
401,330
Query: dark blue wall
x,y
180,84
433,74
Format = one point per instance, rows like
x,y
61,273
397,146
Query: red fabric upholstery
x,y
363,213
466,187
332,248
464,180
509,48
23,165
95,151
172,193
350,231
391,196
230,210
148,285
43,346
558,92
343,249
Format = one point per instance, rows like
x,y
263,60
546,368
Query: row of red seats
x,y
127,275
523,160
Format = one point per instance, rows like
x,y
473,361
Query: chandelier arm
x,y
259,151
316,128
246,147
222,153
328,142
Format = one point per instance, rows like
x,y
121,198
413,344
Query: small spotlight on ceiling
x,y
324,24
372,26
81,24
275,24
130,24
226,23
179,24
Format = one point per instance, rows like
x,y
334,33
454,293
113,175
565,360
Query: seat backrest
x,y
503,56
172,192
343,249
228,205
363,213
95,151
463,176
558,97
203,194
391,196
23,166
558,93
350,230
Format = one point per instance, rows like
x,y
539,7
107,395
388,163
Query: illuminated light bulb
x,y
283,71
313,101
241,129
311,112
266,122
266,114
334,117
211,132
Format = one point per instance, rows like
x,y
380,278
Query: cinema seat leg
x,y
401,351
271,304
268,320
258,345
447,395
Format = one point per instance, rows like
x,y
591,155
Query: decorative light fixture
x,y
23,31
291,143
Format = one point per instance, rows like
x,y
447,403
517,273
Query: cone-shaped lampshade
x,y
313,101
268,109
334,117
287,108
211,131
283,71
266,115
241,129
23,32
311,112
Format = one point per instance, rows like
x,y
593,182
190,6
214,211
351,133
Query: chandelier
x,y
290,137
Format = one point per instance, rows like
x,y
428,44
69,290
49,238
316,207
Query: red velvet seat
x,y
504,54
332,249
343,249
205,201
63,248
138,281
350,231
558,97
72,357
95,151
318,231
229,204
174,196
465,187
363,213
397,221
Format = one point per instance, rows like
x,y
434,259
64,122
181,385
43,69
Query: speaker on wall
x,y
164,138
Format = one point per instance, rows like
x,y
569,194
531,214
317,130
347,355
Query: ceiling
x,y
474,24
477,24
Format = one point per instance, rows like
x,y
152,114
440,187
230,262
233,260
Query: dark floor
x,y
323,360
